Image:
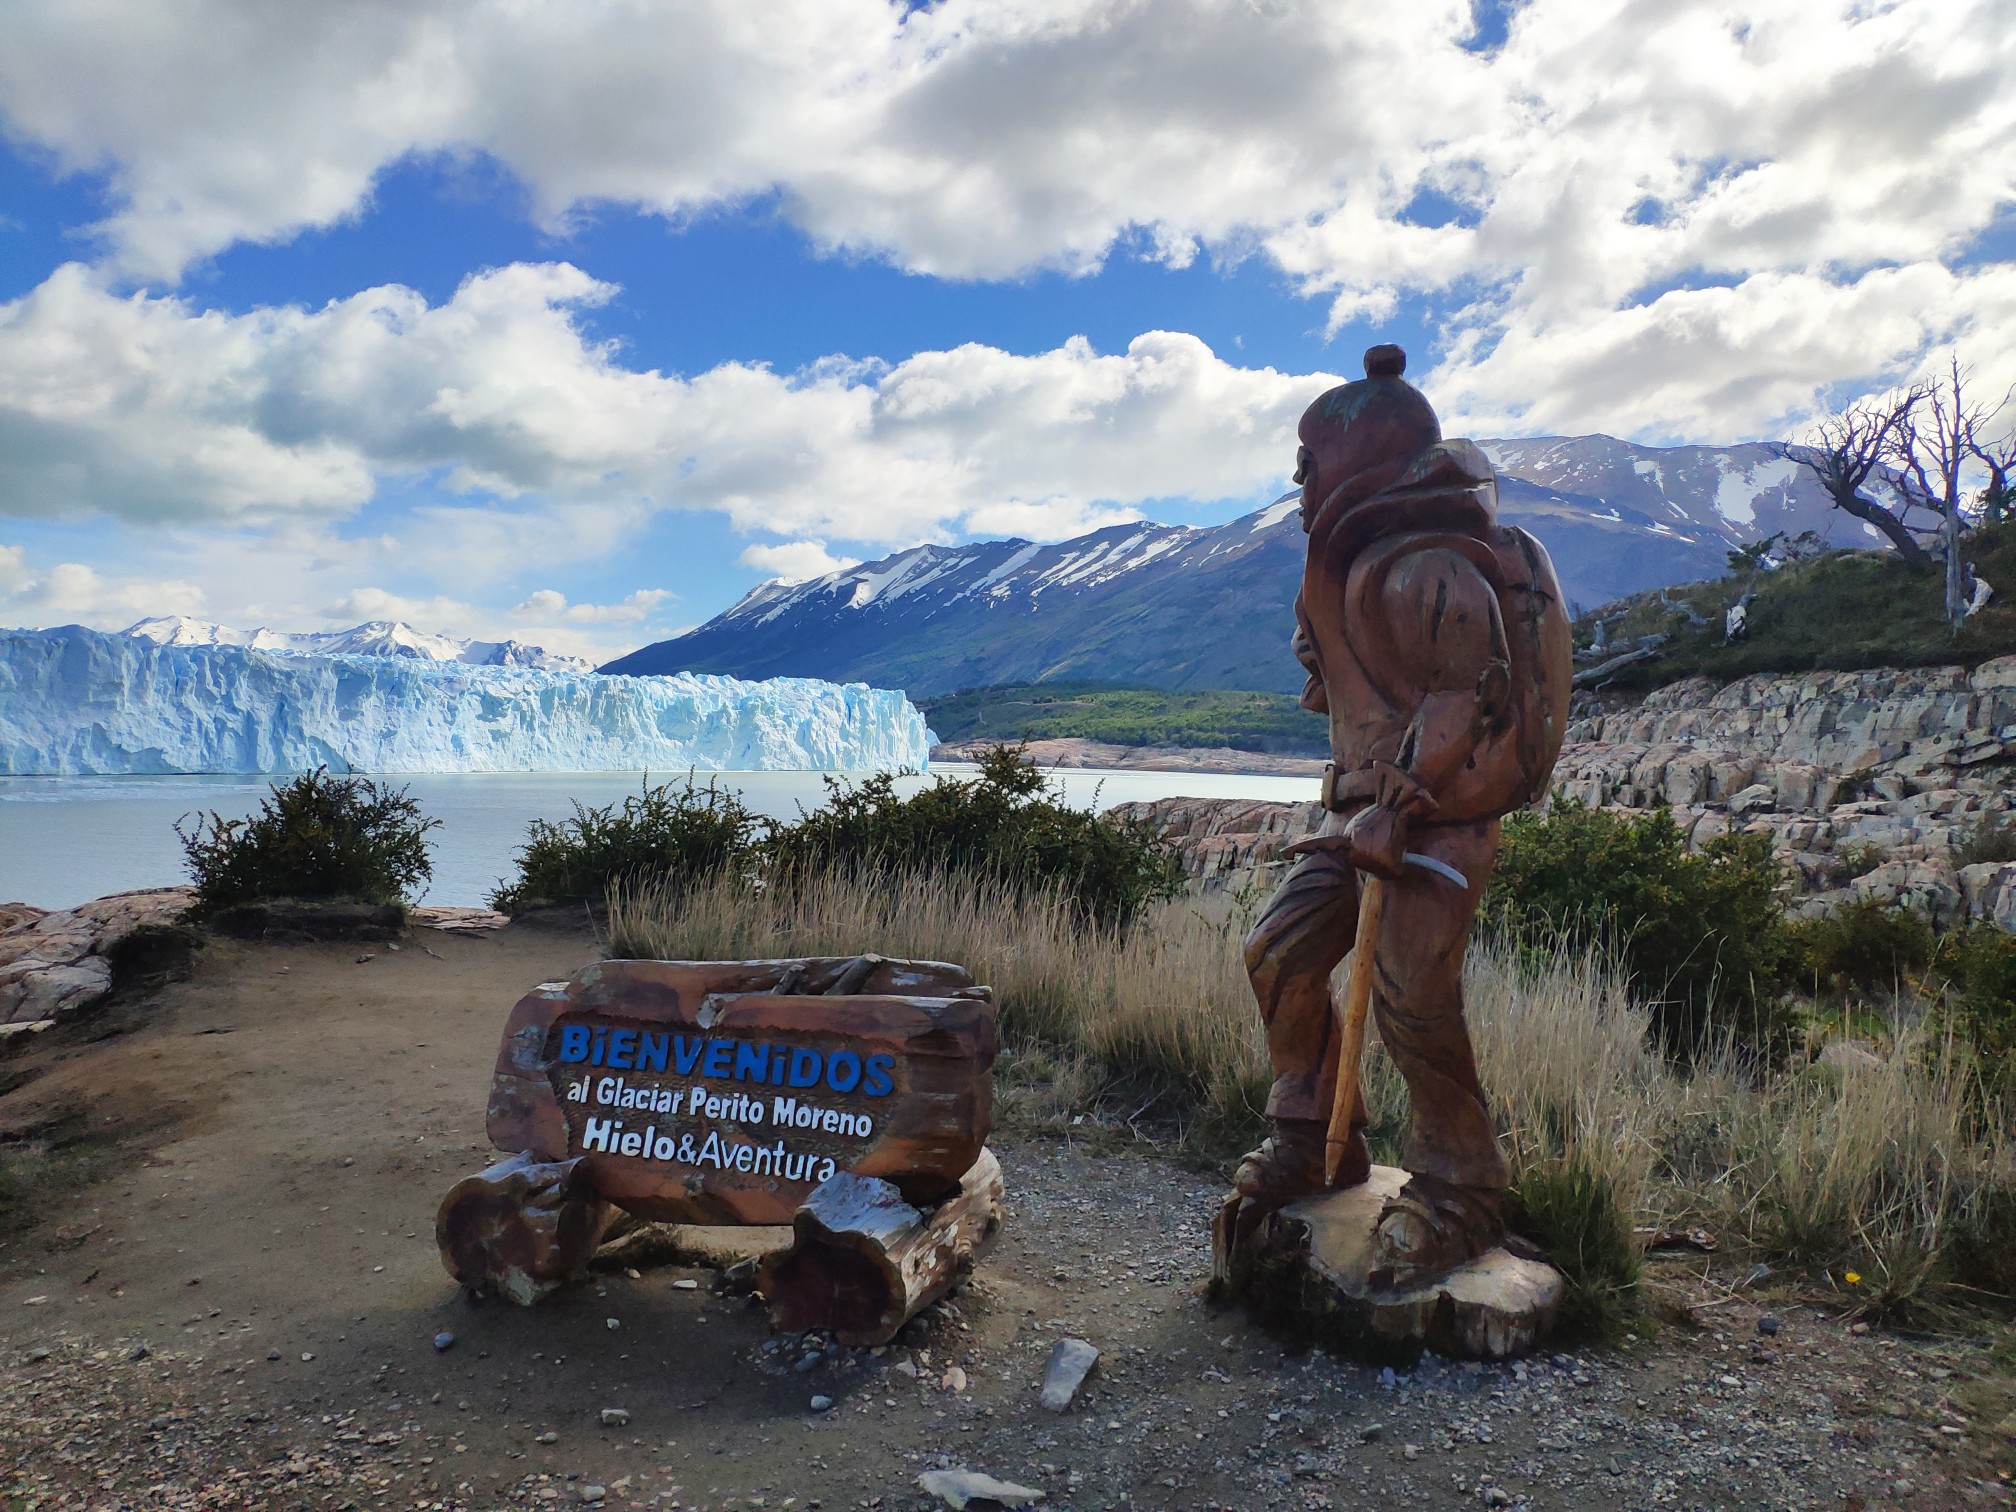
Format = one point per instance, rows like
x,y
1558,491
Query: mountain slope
x,y
1173,606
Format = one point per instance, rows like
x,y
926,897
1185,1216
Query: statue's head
x,y
1355,426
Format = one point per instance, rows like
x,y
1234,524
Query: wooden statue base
x,y
1304,1270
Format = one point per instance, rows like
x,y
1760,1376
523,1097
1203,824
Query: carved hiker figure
x,y
1437,643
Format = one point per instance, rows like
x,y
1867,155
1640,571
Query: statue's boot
x,y
1289,1164
1431,1227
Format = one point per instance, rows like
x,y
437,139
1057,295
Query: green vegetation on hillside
x,y
1272,722
1844,610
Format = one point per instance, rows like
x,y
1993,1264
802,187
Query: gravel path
x,y
246,1319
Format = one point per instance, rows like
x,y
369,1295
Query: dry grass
x,y
1876,1169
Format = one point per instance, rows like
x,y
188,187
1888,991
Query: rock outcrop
x,y
57,965
1868,785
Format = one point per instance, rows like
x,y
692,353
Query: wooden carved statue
x,y
1437,644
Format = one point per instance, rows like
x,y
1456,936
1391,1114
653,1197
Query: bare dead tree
x,y
1933,447
1997,500
1845,450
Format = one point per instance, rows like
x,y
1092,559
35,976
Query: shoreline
x,y
1102,755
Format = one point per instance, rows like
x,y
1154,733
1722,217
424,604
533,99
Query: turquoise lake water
x,y
67,839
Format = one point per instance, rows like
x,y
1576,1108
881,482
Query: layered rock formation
x,y
55,965
1869,784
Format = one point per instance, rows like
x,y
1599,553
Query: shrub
x,y
1569,1208
1992,840
319,837
1701,934
668,834
1855,860
1866,944
1975,1004
1003,825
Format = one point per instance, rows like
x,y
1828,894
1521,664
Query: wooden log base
x,y
864,1262
1303,1272
521,1229
654,1244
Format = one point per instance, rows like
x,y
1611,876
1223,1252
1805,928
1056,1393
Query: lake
x,y
64,840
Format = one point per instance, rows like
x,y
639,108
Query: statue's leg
x,y
1452,1209
1290,954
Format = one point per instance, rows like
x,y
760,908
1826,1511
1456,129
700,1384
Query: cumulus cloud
x,y
74,592
795,561
153,409
1605,157
550,606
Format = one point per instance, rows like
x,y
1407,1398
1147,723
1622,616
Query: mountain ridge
x,y
371,638
1190,607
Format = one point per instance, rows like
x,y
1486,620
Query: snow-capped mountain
x,y
1181,607
373,638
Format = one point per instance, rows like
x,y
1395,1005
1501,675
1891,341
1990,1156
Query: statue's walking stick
x,y
1351,1023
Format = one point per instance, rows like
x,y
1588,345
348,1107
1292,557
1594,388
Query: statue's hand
x,y
1374,841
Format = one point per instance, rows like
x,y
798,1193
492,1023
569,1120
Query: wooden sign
x,y
726,1092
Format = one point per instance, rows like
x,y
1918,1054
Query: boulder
x,y
57,964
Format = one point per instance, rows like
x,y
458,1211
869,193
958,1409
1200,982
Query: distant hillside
x,y
1241,721
1182,608
1843,611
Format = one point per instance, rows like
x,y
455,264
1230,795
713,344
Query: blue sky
x,y
573,322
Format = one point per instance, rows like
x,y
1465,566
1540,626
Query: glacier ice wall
x,y
75,701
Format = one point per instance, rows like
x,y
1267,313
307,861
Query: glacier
x,y
78,702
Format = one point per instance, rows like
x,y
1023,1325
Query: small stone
x,y
34,1301
367,956
1858,1329
956,1488
138,1352
1768,1326
306,1357
615,1417
612,1322
272,1354
593,1493
444,1341
548,1437
821,1403
1410,1452
1496,1496
37,1354
686,1283
1370,1433
954,1380
1070,1362
808,1362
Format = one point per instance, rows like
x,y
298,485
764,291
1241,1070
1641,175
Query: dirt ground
x,y
244,1313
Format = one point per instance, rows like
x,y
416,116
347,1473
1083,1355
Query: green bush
x,y
1992,840
1571,1211
1853,860
1003,824
1702,934
662,834
1868,944
319,837
1975,1004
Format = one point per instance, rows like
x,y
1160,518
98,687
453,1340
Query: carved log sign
x,y
725,1092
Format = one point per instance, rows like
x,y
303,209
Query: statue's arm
x,y
1450,635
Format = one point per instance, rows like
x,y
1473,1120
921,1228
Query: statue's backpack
x,y
1524,724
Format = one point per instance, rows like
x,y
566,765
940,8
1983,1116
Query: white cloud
x,y
424,613
74,592
152,409
1610,151
549,606
795,561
